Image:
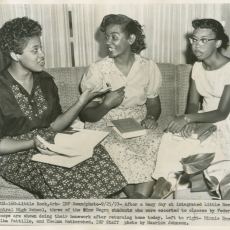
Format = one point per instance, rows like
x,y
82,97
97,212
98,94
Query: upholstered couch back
x,y
173,92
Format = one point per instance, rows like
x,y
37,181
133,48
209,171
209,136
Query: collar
x,y
108,65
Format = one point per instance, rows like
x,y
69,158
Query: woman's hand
x,y
188,130
114,98
90,93
176,125
38,144
46,152
149,123
42,148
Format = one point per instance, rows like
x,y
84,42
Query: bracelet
x,y
186,119
150,116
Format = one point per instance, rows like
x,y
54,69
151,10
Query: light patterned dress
x,y
210,85
135,157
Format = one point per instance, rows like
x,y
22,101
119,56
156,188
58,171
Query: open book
x,y
71,147
202,132
128,128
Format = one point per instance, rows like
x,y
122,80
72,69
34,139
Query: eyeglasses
x,y
203,41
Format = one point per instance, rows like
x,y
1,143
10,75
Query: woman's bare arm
x,y
8,146
94,110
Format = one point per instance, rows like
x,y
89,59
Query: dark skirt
x,y
96,177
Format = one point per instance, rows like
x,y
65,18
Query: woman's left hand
x,y
149,123
177,125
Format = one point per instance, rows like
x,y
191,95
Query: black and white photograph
x,y
106,101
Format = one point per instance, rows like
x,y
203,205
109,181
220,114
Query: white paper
x,y
75,144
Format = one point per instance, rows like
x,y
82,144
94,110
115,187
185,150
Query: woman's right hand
x,y
114,98
89,93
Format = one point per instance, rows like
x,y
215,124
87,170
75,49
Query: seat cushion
x,y
9,191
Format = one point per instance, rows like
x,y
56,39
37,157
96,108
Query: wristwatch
x,y
186,119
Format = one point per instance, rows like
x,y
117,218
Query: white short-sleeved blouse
x,y
210,84
142,82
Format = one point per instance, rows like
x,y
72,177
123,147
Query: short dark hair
x,y
16,33
216,27
129,26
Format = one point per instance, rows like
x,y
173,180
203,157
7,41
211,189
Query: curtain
x,y
84,29
55,34
225,17
166,26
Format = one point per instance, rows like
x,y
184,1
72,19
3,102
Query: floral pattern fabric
x,y
23,101
97,177
135,157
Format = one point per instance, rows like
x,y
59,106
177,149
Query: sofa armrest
x,y
9,191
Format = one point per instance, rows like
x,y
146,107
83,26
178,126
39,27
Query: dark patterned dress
x,y
23,116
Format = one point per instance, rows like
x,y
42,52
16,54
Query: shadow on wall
x,y
190,58
99,37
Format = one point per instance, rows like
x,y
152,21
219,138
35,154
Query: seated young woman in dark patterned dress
x,y
29,106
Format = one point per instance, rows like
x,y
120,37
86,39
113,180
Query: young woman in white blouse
x,y
210,79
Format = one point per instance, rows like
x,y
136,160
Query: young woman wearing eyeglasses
x,y
210,79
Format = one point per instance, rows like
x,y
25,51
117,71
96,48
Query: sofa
x,y
173,96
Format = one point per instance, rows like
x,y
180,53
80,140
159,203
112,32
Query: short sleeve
x,y
92,77
155,80
2,128
195,70
1,125
227,74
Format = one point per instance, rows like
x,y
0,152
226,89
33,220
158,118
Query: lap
x,y
172,151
